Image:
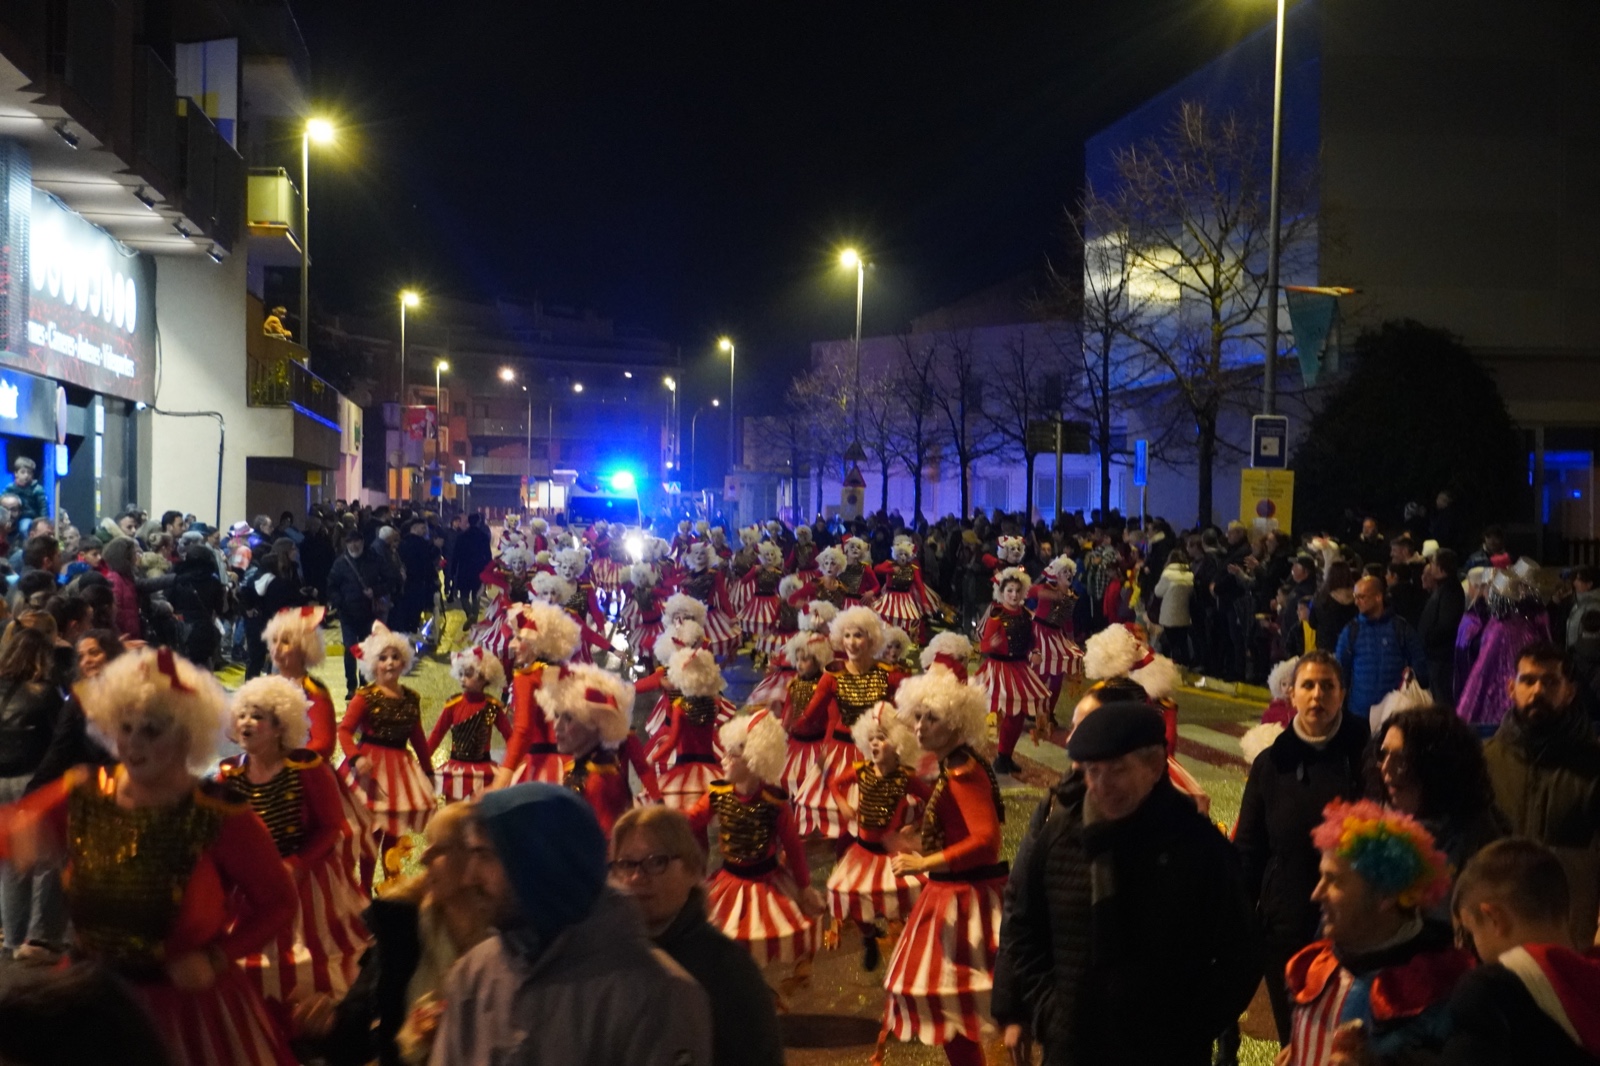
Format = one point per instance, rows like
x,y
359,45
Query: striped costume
x,y
358,845
940,974
708,586
1059,657
321,951
468,718
841,697
758,615
753,897
690,745
531,747
1013,686
398,789
863,887
904,601
807,735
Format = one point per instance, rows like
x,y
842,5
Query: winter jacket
x,y
1174,591
28,711
348,580
506,1007
1546,779
1288,786
125,608
744,1022
1329,617
34,503
468,556
1374,655
1495,1019
1441,618
1583,601
1144,917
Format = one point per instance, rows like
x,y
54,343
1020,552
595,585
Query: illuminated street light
x,y
321,131
726,344
577,386
507,374
850,259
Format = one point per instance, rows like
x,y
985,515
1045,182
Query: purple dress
x,y
1483,699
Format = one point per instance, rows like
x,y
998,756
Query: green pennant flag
x,y
1312,315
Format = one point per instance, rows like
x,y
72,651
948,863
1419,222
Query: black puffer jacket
x,y
1289,785
1144,917
28,712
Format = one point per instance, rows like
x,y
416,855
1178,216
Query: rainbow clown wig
x,y
1391,851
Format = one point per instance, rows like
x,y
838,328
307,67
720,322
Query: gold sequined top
x,y
747,831
577,604
1016,636
837,595
280,802
469,736
880,796
933,834
800,692
130,867
767,581
389,721
859,693
902,578
1055,612
851,578
699,710
701,586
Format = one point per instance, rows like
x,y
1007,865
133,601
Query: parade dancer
x,y
882,792
761,896
860,583
845,692
296,795
898,649
538,539
940,973
169,880
294,639
707,586
685,633
546,640
690,738
759,615
825,586
802,558
904,600
1059,657
1008,553
1008,677
810,619
682,541
468,718
509,573
746,559
949,650
809,653
558,592
641,615
590,725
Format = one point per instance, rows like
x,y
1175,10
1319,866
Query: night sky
x,y
693,169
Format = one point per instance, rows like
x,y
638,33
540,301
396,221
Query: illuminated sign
x,y
28,405
91,305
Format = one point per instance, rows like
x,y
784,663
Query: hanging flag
x,y
1313,312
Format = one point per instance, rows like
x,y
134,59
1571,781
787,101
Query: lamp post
x,y
321,131
851,259
1269,376
672,431
692,427
439,367
408,298
726,344
508,375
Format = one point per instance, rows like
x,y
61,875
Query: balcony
x,y
155,122
213,179
272,212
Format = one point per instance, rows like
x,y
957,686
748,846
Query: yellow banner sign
x,y
1266,499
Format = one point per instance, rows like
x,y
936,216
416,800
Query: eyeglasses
x,y
650,866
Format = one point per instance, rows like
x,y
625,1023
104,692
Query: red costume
x,y
709,588
601,779
859,583
840,698
808,733
398,789
531,748
863,886
1015,690
324,727
690,741
759,614
468,717
905,601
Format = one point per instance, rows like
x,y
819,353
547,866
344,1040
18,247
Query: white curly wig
x,y
694,672
542,633
303,625
1010,573
699,556
643,575
789,584
769,554
896,642
1061,566
702,527
681,605
474,660
145,681
515,557
885,718
551,588
538,525
685,634
1258,739
761,740
802,533
571,562
749,535
382,637
596,697
864,619
947,647
939,693
831,562
903,548
286,701
1010,549
818,616
813,645
1116,651
856,549
1280,681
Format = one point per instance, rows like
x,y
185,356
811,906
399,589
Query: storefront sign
x,y
29,405
91,305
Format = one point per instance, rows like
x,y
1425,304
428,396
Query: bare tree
x,y
880,428
959,400
1025,385
821,399
921,440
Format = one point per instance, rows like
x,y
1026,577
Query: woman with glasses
x,y
656,860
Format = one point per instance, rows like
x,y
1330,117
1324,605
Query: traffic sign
x,y
1043,439
1269,442
1141,463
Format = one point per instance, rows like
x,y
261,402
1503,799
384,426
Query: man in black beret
x,y
1127,935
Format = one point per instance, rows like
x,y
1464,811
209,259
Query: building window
x,y
1075,492
991,493
1044,494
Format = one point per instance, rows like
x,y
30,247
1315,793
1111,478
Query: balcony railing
x,y
155,122
283,382
516,428
87,58
273,203
213,178
493,465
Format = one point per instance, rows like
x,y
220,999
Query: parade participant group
x,y
229,896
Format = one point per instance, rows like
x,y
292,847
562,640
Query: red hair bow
x,y
167,663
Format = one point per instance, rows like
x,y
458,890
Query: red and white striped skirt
x,y
321,951
759,615
738,594
684,784
226,1023
494,633
901,609
772,688
721,636
816,805
399,795
1013,688
1186,783
462,780
942,969
541,766
863,887
803,755
360,844
761,913
608,573
1058,656
642,637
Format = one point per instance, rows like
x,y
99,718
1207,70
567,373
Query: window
x,y
1075,492
991,493
1044,493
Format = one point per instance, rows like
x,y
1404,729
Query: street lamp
x,y
408,298
577,386
1269,376
508,376
692,427
726,344
321,131
672,433
439,367
850,259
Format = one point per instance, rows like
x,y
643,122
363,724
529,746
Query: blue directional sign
x,y
1141,463
1269,442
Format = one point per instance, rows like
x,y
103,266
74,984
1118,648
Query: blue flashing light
x,y
622,481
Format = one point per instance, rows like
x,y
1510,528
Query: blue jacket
x,y
1374,655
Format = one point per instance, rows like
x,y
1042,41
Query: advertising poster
x,y
1266,499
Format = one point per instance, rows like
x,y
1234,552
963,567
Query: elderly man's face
x,y
486,874
1354,917
1118,786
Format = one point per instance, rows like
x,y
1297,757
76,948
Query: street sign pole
x,y
1059,470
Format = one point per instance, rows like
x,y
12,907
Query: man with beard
x,y
1544,765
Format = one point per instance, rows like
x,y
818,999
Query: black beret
x,y
1115,730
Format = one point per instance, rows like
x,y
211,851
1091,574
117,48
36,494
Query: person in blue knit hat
x,y
571,976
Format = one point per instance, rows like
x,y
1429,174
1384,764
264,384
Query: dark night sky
x,y
693,168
